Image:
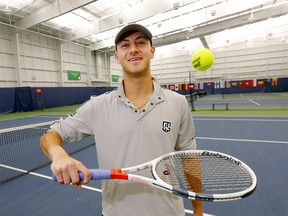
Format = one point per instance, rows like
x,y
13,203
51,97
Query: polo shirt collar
x,y
157,95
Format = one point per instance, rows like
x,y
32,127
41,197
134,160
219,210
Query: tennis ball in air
x,y
202,59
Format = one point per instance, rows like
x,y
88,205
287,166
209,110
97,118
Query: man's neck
x,y
138,90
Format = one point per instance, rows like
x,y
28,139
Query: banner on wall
x,y
248,83
240,84
183,86
38,90
260,83
196,86
201,86
227,84
74,75
234,83
115,78
274,81
171,86
217,85
208,84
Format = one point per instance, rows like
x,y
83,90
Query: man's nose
x,y
133,48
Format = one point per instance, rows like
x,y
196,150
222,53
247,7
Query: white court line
x,y
37,125
254,102
43,176
83,186
243,140
250,100
25,171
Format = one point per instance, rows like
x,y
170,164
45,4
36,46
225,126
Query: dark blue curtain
x,y
7,100
24,99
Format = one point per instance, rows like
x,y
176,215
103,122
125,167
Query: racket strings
x,y
181,172
203,174
192,173
221,175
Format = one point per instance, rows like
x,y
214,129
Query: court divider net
x,y
20,150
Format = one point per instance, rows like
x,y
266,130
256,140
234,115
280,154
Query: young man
x,y
133,124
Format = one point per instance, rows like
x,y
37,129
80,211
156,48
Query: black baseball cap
x,y
130,29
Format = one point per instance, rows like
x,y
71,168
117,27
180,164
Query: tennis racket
x,y
193,174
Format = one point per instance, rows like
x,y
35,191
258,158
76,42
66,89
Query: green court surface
x,y
250,96
251,104
243,111
52,111
199,111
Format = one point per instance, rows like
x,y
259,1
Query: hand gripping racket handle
x,y
97,174
101,174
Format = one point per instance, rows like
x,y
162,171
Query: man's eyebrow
x,y
140,37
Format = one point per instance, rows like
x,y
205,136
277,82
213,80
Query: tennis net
x,y
191,98
21,153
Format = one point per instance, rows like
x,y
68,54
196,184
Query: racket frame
x,y
128,174
158,182
210,197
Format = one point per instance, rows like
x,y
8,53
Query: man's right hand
x,y
66,169
63,166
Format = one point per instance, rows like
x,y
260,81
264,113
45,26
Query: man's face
x,y
134,54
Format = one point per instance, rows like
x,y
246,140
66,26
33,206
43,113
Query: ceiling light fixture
x,y
8,11
213,12
176,5
121,20
251,18
190,29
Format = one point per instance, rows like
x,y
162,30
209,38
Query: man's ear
x,y
116,57
153,52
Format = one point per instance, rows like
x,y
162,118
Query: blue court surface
x,y
251,100
261,142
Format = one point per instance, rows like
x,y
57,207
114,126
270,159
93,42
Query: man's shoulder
x,y
173,94
105,95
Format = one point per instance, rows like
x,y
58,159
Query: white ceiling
x,y
95,23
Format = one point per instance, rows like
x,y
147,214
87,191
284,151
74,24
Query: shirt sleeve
x,y
187,136
75,127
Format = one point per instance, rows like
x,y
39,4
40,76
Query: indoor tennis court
x,y
259,141
228,58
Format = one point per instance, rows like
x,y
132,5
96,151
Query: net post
x,y
191,91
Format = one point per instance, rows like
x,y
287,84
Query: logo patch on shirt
x,y
166,126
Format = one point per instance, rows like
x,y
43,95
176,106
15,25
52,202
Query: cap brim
x,y
132,28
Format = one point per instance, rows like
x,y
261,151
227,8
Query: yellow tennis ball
x,y
202,59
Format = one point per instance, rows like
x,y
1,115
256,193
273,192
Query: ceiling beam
x,y
212,28
199,32
204,42
197,18
141,12
55,9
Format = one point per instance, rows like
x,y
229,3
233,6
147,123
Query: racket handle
x,y
97,174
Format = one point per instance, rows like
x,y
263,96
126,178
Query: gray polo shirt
x,y
125,136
